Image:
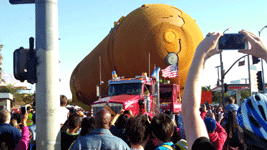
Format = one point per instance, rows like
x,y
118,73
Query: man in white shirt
x,y
63,111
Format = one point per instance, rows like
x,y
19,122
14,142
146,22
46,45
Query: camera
x,y
232,42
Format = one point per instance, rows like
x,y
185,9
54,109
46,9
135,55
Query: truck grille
x,y
114,106
97,107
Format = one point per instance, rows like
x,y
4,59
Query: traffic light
x,y
225,87
25,64
259,80
20,64
255,60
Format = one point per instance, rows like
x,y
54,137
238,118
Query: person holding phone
x,y
195,130
25,138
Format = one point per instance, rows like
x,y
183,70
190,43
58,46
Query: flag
x,y
170,72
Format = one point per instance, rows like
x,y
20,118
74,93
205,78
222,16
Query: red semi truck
x,y
140,95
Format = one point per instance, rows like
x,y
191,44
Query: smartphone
x,y
207,105
232,42
23,109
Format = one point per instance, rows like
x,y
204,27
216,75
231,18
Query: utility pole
x,y
47,86
249,77
222,72
222,80
218,80
48,135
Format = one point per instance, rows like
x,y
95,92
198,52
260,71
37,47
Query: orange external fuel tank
x,y
164,32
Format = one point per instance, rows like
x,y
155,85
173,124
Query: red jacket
x,y
218,137
203,114
25,138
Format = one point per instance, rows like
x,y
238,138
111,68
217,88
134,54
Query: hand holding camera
x,y
257,47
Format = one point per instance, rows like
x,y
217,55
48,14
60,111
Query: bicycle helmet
x,y
251,117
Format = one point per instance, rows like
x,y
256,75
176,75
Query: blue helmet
x,y
252,115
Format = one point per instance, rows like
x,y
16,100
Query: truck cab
x,y
139,95
133,94
170,98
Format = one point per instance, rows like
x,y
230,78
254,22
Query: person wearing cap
x,y
216,132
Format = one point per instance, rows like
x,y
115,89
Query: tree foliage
x,y
244,94
217,97
27,98
20,98
206,88
9,89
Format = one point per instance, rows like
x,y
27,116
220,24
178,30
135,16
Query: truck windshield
x,y
166,96
128,88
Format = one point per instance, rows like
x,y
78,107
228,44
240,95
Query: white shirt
x,y
63,113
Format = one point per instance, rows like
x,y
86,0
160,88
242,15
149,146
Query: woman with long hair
x,y
232,142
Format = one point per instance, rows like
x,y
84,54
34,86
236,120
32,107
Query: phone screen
x,y
23,110
207,105
231,42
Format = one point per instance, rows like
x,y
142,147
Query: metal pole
x,y
218,73
218,80
158,97
100,80
262,72
249,77
234,64
222,80
47,86
149,64
222,73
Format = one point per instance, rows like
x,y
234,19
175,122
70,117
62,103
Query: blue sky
x,y
83,24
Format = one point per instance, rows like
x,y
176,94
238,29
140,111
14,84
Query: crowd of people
x,y
196,127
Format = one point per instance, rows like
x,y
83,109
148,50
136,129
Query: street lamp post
x,y
222,73
222,80
218,80
249,76
262,63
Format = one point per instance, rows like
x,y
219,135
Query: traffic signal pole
x,y
47,86
249,76
222,80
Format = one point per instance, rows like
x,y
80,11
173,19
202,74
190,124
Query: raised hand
x,y
257,48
